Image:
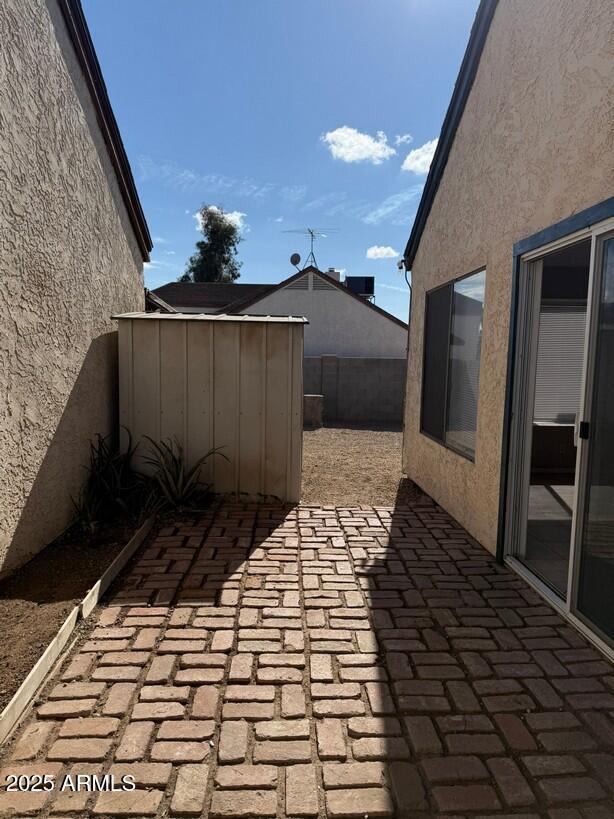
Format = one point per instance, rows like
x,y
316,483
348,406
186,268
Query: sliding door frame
x,y
525,361
601,232
520,389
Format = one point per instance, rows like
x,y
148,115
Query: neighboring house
x,y
509,404
341,323
72,247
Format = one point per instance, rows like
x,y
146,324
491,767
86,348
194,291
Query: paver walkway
x,y
325,662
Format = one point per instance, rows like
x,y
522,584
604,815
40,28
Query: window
x,y
452,346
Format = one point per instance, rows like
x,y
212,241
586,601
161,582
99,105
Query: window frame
x,y
450,283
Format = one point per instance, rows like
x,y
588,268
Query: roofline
x,y
242,305
86,55
225,307
149,294
247,301
236,319
462,88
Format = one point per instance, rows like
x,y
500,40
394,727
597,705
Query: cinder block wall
x,y
357,390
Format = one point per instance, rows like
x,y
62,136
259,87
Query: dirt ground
x,y
344,466
35,601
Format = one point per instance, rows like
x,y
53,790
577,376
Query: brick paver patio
x,y
325,662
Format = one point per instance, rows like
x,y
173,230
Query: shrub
x,y
178,486
114,490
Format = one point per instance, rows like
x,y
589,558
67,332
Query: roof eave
x,y
86,55
462,88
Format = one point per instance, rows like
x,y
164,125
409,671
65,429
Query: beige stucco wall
x,y
68,259
535,145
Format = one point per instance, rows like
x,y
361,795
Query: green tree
x,y
215,258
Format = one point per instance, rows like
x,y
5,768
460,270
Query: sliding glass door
x,y
595,526
559,529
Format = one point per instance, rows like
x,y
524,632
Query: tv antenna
x,y
312,234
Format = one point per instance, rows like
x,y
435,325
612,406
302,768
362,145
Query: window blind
x,y
560,354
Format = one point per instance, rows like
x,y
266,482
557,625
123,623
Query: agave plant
x,y
88,508
113,488
109,483
178,485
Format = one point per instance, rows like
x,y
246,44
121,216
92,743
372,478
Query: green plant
x,y
178,485
88,507
112,488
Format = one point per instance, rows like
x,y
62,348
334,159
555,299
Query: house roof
x,y
250,301
216,296
154,303
462,88
86,55
227,297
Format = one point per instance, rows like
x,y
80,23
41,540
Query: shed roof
x,y
241,319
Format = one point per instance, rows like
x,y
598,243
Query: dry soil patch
x,y
344,466
35,601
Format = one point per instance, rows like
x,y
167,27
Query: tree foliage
x,y
215,257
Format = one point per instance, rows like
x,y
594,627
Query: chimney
x,y
334,274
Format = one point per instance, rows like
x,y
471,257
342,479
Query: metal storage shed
x,y
234,382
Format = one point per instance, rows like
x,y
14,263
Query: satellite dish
x,y
295,259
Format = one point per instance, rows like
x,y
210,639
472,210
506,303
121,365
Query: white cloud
x,y
279,219
419,160
293,193
156,264
403,139
235,217
212,185
393,287
396,208
381,252
331,202
350,145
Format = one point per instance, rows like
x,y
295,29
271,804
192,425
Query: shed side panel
x,y
199,395
277,410
226,370
251,410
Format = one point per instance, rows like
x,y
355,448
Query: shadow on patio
x,y
454,687
330,662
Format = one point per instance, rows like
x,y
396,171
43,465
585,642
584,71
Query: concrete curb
x,y
21,700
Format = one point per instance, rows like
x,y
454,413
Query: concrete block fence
x,y
357,390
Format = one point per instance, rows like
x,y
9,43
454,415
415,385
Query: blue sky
x,y
286,113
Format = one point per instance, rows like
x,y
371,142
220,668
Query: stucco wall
x,y
534,146
338,324
68,259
